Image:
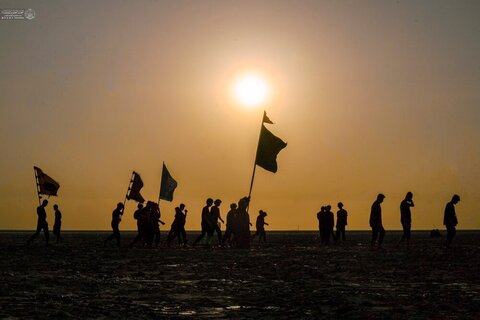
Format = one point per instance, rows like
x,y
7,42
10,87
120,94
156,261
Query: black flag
x,y
46,185
265,118
133,192
167,186
268,148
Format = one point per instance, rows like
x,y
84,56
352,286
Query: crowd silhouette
x,y
237,232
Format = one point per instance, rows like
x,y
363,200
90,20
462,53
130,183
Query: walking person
x,y
58,222
450,219
41,223
214,217
178,226
206,226
342,215
406,218
139,215
260,225
229,229
378,232
116,218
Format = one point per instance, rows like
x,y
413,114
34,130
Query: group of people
x,y
326,221
237,232
42,223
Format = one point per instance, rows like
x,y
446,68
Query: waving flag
x,y
167,186
136,184
46,184
268,148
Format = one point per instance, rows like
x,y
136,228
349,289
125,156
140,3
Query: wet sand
x,y
291,277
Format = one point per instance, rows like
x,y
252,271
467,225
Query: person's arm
x,y
266,223
163,223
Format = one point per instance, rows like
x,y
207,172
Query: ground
x,y
291,277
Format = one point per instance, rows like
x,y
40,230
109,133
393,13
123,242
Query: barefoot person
x,y
406,218
450,219
378,232
116,218
41,223
341,221
58,222
206,227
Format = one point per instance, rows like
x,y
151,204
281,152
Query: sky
x,y
371,96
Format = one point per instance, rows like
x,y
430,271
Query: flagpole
x,y
254,165
37,184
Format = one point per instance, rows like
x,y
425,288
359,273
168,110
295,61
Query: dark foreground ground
x,y
291,277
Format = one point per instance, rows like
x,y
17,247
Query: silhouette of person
x,y
58,222
342,215
329,222
41,223
320,224
178,226
229,230
450,219
242,225
139,215
406,218
214,217
206,226
260,226
378,232
116,218
154,221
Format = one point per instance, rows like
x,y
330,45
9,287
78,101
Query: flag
x,y
133,192
268,148
266,119
167,186
46,185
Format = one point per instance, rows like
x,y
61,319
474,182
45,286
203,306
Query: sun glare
x,y
251,90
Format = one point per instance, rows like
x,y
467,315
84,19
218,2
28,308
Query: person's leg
x,y
374,236
381,237
219,234
46,233
37,231
343,234
157,236
183,234
200,237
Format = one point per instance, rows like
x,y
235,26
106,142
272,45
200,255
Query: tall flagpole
x,y
254,165
161,177
37,185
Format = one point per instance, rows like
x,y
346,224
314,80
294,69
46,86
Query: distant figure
x,y
178,226
242,225
41,223
116,218
206,226
229,232
450,219
341,221
376,222
139,215
58,223
319,218
328,222
214,217
260,225
406,218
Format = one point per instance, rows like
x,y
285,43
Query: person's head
x,y
380,197
182,206
140,206
44,203
55,207
409,196
264,213
218,202
322,208
455,198
233,206
209,202
243,203
340,205
328,208
260,212
119,205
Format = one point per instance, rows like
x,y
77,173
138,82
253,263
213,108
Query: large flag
x,y
167,186
46,185
133,192
268,148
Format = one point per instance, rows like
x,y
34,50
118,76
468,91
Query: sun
x,y
251,90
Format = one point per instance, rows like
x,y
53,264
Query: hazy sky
x,y
371,96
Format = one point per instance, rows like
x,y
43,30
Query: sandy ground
x,y
291,277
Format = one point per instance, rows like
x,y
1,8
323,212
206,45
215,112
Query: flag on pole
x,y
167,186
46,185
136,185
265,118
268,148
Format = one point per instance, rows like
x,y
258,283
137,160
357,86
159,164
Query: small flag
x,y
268,148
266,119
167,186
46,185
133,192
